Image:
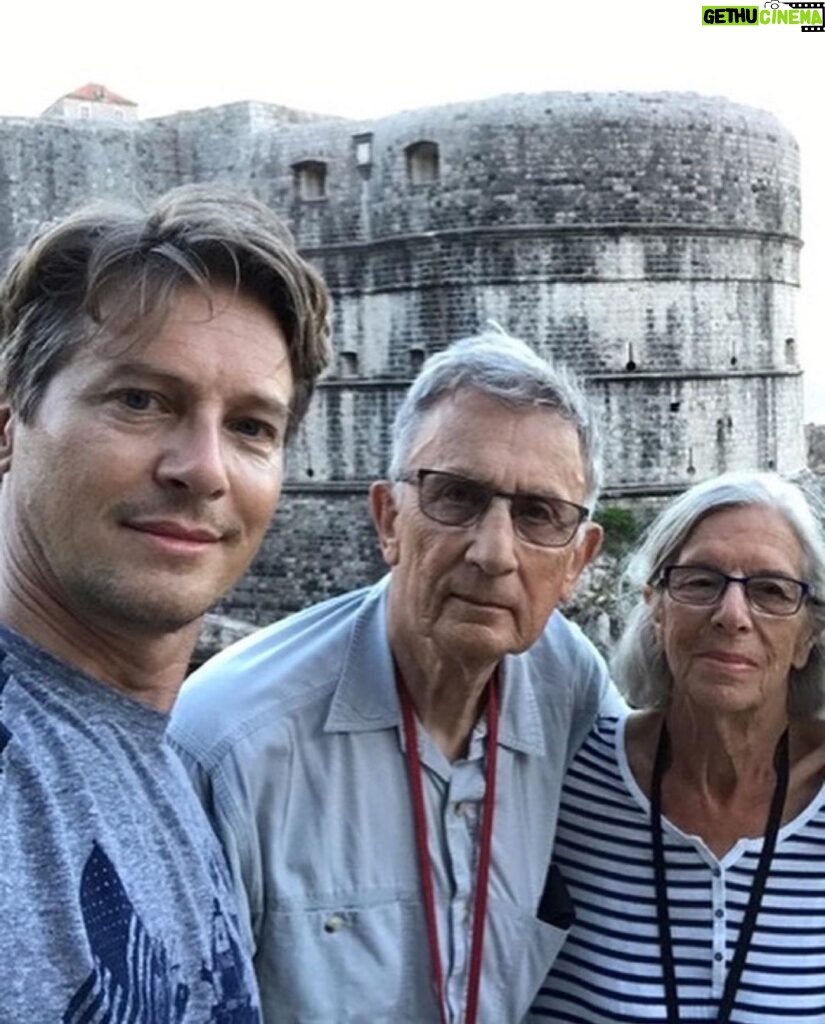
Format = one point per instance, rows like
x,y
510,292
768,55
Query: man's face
x,y
477,593
143,486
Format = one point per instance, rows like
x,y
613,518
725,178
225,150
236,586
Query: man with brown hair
x,y
152,365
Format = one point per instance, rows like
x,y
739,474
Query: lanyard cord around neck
x,y
781,763
415,772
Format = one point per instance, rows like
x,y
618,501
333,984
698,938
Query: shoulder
x,y
40,696
564,641
596,771
570,681
281,669
24,666
566,661
604,738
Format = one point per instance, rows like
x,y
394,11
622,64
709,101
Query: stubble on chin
x,y
120,600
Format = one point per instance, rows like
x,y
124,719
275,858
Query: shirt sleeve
x,y
595,693
611,703
220,791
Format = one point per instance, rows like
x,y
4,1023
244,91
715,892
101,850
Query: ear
x,y
804,642
653,599
6,436
384,513
584,550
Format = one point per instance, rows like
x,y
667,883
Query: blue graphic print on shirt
x,y
5,735
134,977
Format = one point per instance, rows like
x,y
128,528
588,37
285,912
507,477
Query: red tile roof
x,y
98,94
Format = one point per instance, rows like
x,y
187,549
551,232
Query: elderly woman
x,y
692,834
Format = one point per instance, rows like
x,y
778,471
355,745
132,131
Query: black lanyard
x,y
757,889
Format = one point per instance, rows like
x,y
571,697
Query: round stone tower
x,y
650,242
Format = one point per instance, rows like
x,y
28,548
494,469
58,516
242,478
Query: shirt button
x,y
717,957
717,872
334,924
718,913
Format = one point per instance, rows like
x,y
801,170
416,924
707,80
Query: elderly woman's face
x,y
728,656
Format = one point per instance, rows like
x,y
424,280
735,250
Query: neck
x,y
145,666
721,777
448,695
723,754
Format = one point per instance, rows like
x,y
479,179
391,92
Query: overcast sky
x,y
364,58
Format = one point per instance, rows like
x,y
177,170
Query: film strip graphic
x,y
807,7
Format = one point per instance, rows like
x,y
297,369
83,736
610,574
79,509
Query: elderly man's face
x,y
479,592
144,483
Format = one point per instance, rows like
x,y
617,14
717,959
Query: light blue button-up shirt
x,y
294,740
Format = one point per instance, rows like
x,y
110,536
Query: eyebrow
x,y
269,404
779,573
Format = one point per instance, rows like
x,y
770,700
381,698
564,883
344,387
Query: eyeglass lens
x,y
458,501
775,595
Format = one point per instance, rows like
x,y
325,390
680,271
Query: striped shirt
x,y
609,970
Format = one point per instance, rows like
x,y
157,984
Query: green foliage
x,y
622,528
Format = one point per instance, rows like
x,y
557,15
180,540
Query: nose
x,y
732,612
193,459
493,541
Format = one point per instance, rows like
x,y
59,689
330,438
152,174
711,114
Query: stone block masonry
x,y
648,241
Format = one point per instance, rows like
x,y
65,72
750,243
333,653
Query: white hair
x,y
639,664
507,369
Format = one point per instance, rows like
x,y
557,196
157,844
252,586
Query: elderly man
x,y
384,768
152,365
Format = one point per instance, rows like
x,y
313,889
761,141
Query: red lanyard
x,y
482,880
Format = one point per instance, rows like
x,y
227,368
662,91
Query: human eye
x,y
773,592
252,429
135,399
457,490
134,404
771,585
453,500
539,512
694,583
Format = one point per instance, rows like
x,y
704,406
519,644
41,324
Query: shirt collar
x,y
365,698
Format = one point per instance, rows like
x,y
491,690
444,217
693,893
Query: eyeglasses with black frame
x,y
454,500
702,587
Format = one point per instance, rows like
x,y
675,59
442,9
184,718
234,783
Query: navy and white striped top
x,y
609,970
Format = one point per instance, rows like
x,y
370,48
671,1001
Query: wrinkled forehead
x,y
756,530
482,435
473,411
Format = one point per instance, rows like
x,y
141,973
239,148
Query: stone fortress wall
x,y
648,241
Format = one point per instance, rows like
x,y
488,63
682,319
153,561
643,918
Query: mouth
x,y
728,660
175,537
479,603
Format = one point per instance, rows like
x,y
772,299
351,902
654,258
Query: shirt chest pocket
x,y
345,963
519,950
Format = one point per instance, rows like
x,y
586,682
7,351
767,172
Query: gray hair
x,y
118,267
507,369
639,664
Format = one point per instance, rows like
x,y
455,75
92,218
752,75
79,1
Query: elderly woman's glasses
x,y
771,595
459,501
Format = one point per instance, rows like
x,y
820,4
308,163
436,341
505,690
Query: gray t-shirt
x,y
114,896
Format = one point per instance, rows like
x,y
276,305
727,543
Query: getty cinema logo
x,y
809,16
